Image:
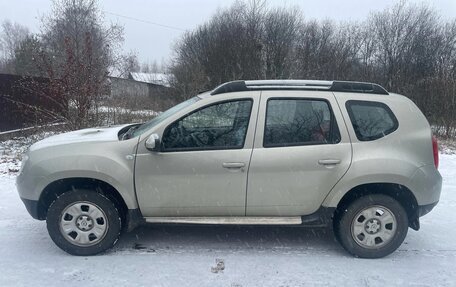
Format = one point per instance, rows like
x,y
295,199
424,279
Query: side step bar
x,y
228,220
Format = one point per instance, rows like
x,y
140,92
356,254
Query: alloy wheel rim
x,y
374,227
83,224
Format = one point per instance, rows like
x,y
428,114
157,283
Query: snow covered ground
x,y
246,256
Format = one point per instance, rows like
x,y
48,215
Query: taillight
x,y
435,150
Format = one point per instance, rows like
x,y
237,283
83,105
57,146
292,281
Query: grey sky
x,y
152,42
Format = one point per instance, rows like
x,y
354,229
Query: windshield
x,y
166,114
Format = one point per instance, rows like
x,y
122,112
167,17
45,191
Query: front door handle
x,y
329,161
233,164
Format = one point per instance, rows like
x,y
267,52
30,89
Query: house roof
x,y
151,78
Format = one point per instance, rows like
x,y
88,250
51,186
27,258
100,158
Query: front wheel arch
x,y
61,186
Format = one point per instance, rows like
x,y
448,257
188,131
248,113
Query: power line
x,y
145,21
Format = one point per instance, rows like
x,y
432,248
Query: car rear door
x,y
301,150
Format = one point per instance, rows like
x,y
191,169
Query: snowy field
x,y
247,256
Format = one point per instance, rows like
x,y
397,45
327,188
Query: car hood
x,y
102,134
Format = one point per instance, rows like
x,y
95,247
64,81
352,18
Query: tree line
x,y
407,48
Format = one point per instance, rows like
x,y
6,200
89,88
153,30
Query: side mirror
x,y
153,142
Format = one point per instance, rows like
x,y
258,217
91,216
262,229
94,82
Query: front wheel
x,y
83,222
372,226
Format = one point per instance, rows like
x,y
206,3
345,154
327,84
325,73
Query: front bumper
x,y
33,208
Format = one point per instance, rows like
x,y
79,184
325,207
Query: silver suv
x,y
346,155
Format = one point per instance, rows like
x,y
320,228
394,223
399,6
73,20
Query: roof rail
x,y
334,86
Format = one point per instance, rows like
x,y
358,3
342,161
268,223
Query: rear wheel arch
x,y
396,191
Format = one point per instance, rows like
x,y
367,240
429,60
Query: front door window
x,y
218,126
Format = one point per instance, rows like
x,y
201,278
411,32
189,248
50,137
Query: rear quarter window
x,y
371,120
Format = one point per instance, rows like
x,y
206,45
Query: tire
x,y
372,226
83,222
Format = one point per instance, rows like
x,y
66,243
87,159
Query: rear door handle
x,y
233,164
329,161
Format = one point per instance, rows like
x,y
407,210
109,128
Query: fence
x,y
21,100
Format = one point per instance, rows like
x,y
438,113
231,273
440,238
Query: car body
x,y
249,152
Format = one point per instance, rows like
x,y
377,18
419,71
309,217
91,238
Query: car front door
x,y
301,150
201,168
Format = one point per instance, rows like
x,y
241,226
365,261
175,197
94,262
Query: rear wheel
x,y
83,222
372,226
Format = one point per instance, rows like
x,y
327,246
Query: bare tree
x,y
25,57
281,27
11,36
315,50
128,63
75,55
232,46
153,67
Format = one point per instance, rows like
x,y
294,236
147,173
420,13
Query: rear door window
x,y
292,122
371,120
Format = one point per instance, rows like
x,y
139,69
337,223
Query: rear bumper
x,y
425,209
414,221
32,208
